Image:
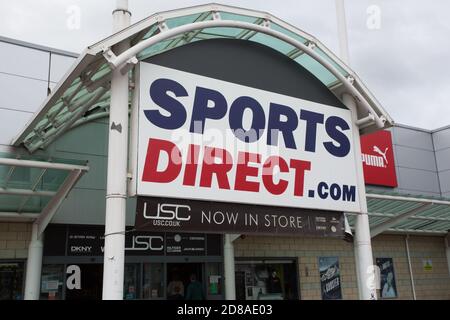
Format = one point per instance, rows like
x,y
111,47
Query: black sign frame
x,y
181,215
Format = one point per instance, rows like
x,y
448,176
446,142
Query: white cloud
x,y
404,63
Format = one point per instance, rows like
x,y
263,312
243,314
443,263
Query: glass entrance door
x,y
11,281
185,281
91,283
269,279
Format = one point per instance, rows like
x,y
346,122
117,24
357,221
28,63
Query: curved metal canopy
x,y
391,212
83,93
32,188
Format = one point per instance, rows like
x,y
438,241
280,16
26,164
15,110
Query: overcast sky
x,y
399,48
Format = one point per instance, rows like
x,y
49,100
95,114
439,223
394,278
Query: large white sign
x,y
207,139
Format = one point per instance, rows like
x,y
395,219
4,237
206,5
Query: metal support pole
x,y
228,261
132,161
116,189
342,31
362,241
34,265
413,289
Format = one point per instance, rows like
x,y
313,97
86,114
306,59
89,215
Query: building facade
x,y
413,265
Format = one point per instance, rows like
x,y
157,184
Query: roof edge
x,y
38,47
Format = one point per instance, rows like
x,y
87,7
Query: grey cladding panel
x,y
442,139
59,66
414,158
22,93
91,138
418,193
412,138
95,178
84,206
443,159
11,122
419,180
444,179
23,61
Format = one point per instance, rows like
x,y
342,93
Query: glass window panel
x,y
52,281
275,280
27,178
155,49
224,31
153,284
179,41
149,33
214,279
10,203
131,281
91,276
319,71
326,57
11,280
289,33
206,36
34,203
52,179
237,17
21,178
179,21
24,178
43,158
272,42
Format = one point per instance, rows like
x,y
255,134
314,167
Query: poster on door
x,y
330,278
388,288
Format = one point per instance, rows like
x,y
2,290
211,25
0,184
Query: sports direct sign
x,y
206,139
378,159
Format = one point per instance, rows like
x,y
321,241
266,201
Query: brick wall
x,y
433,284
392,246
429,284
307,250
14,240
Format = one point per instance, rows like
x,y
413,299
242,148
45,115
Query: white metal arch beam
x,y
129,56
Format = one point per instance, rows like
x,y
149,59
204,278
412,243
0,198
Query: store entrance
x,y
179,278
11,280
91,283
268,279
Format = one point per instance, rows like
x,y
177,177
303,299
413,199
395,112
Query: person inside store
x,y
274,283
194,289
175,289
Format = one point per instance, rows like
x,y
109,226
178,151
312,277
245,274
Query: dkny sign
x,y
63,240
177,215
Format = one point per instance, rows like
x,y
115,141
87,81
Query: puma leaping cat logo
x,y
381,153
